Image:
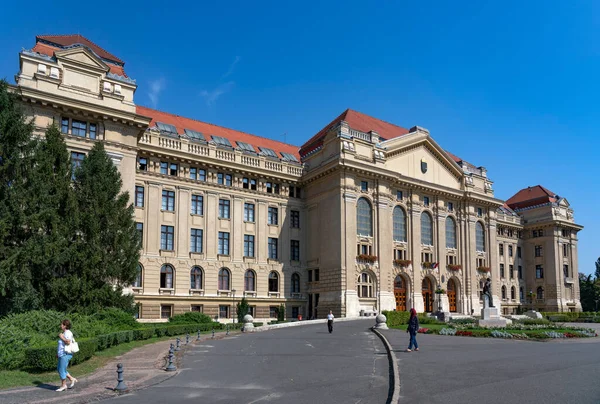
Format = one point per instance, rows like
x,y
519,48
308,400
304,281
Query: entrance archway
x,y
400,293
452,295
427,290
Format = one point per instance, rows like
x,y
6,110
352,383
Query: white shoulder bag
x,y
73,347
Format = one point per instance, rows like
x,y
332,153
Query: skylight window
x,y
289,157
246,147
267,152
166,128
193,135
221,141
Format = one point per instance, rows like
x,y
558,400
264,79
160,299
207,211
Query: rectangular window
x,y
248,245
510,250
164,167
224,208
511,271
364,186
565,249
64,125
298,194
223,243
223,311
520,272
167,234
269,187
143,164
220,178
539,272
399,195
539,251
92,131
273,311
196,240
166,311
310,275
291,192
76,160
501,249
316,276
249,212
426,201
173,169
273,217
566,270
272,248
197,308
541,233
197,205
78,128
201,175
228,180
295,219
168,200
450,207
139,196
253,184
276,189
295,250
140,229
479,212
193,173
518,252
246,183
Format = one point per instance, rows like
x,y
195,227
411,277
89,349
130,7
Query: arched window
x,y
250,281
450,233
540,293
273,282
137,283
364,218
399,224
196,278
503,292
398,282
513,293
365,285
521,294
295,283
479,237
166,277
224,279
426,229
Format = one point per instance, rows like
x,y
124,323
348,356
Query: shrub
x,y
396,318
533,321
423,319
281,312
258,324
190,317
143,333
116,319
44,358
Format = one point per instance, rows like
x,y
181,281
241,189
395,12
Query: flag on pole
x,y
435,265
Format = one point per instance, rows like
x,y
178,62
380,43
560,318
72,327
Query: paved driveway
x,y
450,370
302,364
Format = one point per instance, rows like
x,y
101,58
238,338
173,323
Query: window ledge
x,y
273,294
272,225
166,291
225,218
273,260
251,260
223,257
296,296
167,211
197,292
197,214
137,290
250,221
295,263
167,253
224,293
250,293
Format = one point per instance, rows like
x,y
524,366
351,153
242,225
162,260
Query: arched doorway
x,y
427,291
452,295
400,293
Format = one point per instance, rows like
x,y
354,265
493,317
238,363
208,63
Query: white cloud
x,y
211,96
156,87
231,67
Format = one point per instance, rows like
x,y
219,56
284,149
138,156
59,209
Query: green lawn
x,y
430,326
18,378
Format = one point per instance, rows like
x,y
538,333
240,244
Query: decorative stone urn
x,y
380,322
248,319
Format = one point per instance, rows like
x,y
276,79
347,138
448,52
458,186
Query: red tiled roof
x,y
49,50
66,40
208,129
531,196
358,121
453,157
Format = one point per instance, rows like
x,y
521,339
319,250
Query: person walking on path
x,y
330,321
413,328
64,339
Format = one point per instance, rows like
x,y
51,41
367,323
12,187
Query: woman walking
x,y
330,321
64,339
413,328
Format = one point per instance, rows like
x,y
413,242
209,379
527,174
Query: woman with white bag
x,y
66,347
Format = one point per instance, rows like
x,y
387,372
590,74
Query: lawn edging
x,y
394,369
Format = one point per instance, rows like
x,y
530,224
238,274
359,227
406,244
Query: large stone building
x,y
365,216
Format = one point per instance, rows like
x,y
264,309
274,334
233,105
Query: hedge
x,y
572,316
396,318
44,358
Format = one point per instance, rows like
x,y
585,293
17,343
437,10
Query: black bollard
x,y
227,327
213,333
120,385
171,367
177,349
198,337
187,339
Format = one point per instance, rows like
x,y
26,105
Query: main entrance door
x,y
452,295
427,291
400,293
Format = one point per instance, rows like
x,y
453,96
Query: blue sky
x,y
512,86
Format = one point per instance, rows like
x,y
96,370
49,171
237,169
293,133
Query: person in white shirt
x,y
64,338
330,318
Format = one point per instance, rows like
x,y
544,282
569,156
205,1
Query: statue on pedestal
x,y
487,292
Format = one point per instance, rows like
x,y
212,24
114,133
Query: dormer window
x,y
194,135
107,87
41,69
118,89
221,141
289,157
245,147
54,73
267,152
167,129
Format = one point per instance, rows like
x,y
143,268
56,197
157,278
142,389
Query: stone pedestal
x,y
380,322
248,326
490,317
533,314
443,316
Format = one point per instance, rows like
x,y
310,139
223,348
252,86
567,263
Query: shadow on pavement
x,y
46,386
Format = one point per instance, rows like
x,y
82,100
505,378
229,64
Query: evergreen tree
x,y
107,248
242,309
17,147
597,269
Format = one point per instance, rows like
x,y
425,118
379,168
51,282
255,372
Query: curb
x,y
394,373
304,322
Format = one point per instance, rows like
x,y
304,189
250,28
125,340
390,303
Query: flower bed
x,y
402,263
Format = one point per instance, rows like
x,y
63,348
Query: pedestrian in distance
x,y
413,328
330,318
64,338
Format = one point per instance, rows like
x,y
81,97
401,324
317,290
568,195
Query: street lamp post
x,y
233,307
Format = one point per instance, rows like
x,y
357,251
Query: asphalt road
x,y
458,370
302,364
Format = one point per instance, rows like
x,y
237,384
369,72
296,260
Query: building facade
x,y
365,216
